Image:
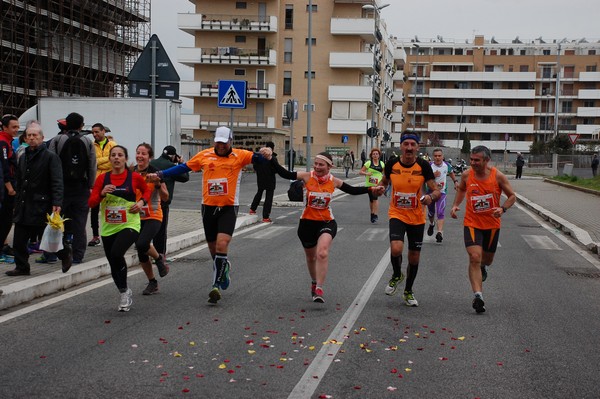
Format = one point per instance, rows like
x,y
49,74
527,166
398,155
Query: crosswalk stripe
x,y
541,242
373,234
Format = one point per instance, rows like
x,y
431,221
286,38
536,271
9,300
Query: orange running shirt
x,y
482,197
220,175
152,210
317,198
407,188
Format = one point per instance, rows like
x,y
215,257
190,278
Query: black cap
x,y
170,150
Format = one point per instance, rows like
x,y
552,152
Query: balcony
x,y
211,89
347,126
525,128
588,129
525,94
483,76
213,121
350,93
588,112
589,94
191,56
363,27
589,76
190,23
456,110
360,60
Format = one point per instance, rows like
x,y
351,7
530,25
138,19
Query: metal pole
x,y
309,87
231,121
153,95
291,156
556,98
416,84
462,109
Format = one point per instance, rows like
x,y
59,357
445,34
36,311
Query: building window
x,y
569,52
591,52
546,72
523,52
239,72
567,107
287,50
240,39
588,103
488,85
312,139
524,68
511,68
590,68
241,5
287,83
458,51
314,8
469,52
314,41
489,68
312,74
545,52
289,16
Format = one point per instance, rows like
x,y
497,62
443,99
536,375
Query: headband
x,y
324,158
409,137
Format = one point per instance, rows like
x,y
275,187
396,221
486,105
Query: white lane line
x,y
306,387
584,253
374,234
541,242
83,290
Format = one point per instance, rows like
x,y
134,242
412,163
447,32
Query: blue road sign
x,y
232,94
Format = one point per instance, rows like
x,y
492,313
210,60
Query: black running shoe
x,y
151,288
161,265
430,230
483,273
439,237
478,305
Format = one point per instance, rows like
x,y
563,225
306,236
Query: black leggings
x,y
148,231
115,247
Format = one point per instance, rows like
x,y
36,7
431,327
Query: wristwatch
x,y
504,209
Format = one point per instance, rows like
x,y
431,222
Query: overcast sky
x,y
451,19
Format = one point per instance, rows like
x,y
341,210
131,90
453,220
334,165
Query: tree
x,y
537,148
559,145
466,147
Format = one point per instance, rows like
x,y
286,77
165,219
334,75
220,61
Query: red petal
x,y
394,371
185,390
101,341
200,375
231,371
356,387
106,321
180,328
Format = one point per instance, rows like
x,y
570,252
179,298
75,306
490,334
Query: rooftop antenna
x,y
494,40
440,38
417,39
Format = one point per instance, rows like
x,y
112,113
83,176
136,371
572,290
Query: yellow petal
x,y
222,366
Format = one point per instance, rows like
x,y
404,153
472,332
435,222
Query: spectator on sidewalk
x,y
519,163
102,146
265,180
8,158
353,160
595,162
363,158
39,192
168,159
347,163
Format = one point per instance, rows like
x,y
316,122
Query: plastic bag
x,y
52,239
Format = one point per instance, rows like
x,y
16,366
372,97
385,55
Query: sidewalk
x,y
572,211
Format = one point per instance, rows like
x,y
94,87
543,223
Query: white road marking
x,y
306,387
541,242
270,232
373,234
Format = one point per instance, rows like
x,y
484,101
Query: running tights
x,y
115,247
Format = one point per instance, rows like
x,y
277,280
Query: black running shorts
x,y
486,239
218,219
414,233
309,231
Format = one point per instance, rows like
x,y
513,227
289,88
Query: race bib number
x,y
115,214
319,200
145,211
217,187
405,200
482,203
373,180
441,185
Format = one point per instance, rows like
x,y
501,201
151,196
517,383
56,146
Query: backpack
x,y
74,158
296,191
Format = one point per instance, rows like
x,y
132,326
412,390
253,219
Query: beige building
x,y
266,44
504,95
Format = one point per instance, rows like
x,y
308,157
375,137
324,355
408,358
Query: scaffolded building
x,y
65,48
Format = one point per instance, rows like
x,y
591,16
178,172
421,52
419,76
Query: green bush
x,y
573,178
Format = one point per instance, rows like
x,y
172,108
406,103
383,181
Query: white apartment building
x,y
265,43
503,95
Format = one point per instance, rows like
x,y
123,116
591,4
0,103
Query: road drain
x,y
580,274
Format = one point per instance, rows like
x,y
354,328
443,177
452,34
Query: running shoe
x,y
392,286
94,242
439,237
267,220
214,295
224,279
34,248
161,265
313,286
483,273
251,212
151,288
7,250
409,299
478,304
430,230
126,300
66,256
6,259
47,258
318,295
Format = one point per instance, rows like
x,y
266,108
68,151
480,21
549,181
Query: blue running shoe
x,y
224,279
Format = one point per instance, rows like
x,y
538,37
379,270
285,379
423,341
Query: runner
x,y
222,172
373,170
407,175
482,185
440,170
115,192
317,227
151,217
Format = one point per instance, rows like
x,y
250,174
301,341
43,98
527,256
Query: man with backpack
x,y
78,160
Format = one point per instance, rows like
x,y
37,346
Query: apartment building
x,y
64,48
266,44
503,95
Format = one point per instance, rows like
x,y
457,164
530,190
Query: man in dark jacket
x,y
39,192
265,178
167,159
520,163
8,158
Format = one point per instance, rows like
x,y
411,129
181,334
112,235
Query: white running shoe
x,y
392,286
410,299
126,300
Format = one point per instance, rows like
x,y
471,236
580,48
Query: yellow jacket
x,y
102,156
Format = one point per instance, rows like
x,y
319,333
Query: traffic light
x,y
372,132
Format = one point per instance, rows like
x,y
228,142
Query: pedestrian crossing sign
x,y
232,94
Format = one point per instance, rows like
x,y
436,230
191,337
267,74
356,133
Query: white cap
x,y
223,134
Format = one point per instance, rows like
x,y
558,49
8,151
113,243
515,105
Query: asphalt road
x,y
267,339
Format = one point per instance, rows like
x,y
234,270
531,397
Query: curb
x,y
25,291
572,186
580,235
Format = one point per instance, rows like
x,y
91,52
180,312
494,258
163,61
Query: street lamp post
x,y
415,45
376,14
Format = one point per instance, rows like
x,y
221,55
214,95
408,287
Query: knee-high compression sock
x,y
396,265
411,274
218,268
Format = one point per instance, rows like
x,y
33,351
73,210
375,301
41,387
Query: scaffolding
x,y
68,48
